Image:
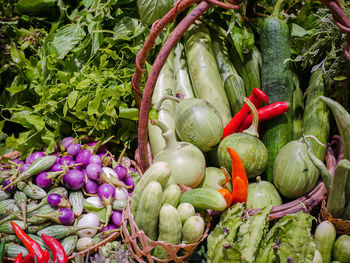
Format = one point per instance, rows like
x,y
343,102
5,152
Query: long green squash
x,y
165,86
276,82
298,108
316,115
183,83
233,83
204,72
249,69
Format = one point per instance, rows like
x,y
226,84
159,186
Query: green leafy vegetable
x,y
152,10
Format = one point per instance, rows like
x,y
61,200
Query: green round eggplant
x,y
214,178
294,174
198,122
341,249
261,194
252,151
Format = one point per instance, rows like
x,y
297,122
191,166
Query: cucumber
x,y
316,115
171,195
6,227
324,239
40,165
32,191
205,76
76,198
341,249
192,230
38,240
204,198
69,243
336,197
146,216
185,210
165,86
233,83
46,209
298,108
183,83
277,83
159,171
170,227
12,250
249,68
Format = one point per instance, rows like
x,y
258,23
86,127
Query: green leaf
x,y
128,113
72,98
94,104
17,55
36,121
66,39
298,31
99,211
83,84
16,88
97,38
340,78
152,10
82,103
88,3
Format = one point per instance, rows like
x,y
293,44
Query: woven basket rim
x,y
127,217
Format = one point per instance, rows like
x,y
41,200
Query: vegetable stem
x,y
253,129
277,9
166,97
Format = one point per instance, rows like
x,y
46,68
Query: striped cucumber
x,y
170,227
159,171
12,250
171,195
183,83
32,191
341,249
204,198
21,201
316,115
233,83
324,238
298,107
249,68
146,216
69,243
193,229
165,86
76,198
186,210
206,80
276,82
40,165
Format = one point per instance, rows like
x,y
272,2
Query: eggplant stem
x,y
121,155
227,175
253,129
166,97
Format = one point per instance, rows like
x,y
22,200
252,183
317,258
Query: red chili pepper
x,y
56,249
265,113
227,195
46,257
239,191
29,259
32,246
18,258
256,98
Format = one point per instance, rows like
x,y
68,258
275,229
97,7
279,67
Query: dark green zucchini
x,y
276,82
233,83
316,115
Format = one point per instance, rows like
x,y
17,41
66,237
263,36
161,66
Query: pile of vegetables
x,y
75,195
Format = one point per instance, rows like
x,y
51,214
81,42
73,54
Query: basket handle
x,y
169,44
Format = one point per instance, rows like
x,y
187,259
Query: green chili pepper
x,y
2,249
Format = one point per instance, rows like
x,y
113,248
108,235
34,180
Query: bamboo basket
x,y
141,246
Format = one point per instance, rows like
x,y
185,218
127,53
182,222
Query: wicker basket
x,y
341,226
141,246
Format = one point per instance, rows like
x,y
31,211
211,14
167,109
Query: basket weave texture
x,y
141,246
